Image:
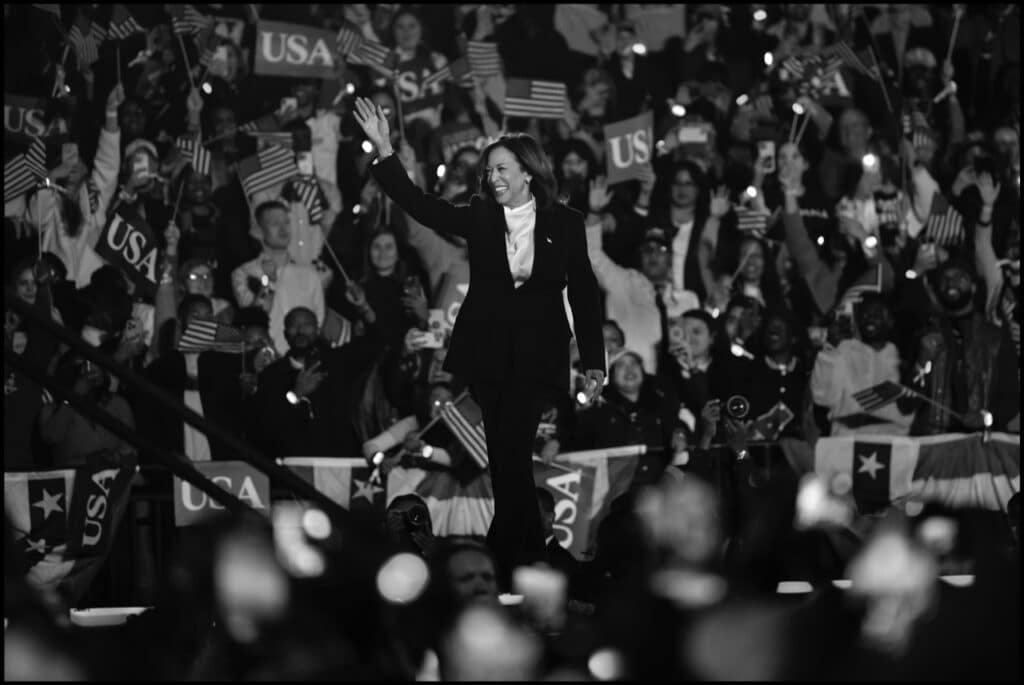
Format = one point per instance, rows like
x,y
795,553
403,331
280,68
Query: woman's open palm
x,y
373,121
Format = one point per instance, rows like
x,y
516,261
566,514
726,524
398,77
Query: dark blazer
x,y
503,332
289,430
219,389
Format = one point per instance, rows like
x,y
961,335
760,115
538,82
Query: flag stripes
x,y
471,436
187,20
281,139
210,336
483,58
22,172
199,157
308,193
347,41
945,225
122,24
529,98
266,169
881,395
370,53
849,58
86,45
751,220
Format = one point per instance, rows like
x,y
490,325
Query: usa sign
x,y
192,505
629,145
294,50
127,243
25,118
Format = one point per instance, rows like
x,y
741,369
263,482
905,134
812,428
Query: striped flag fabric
x,y
198,155
955,470
266,169
348,481
464,419
456,71
86,42
308,192
852,60
370,53
210,336
530,98
483,58
922,137
794,66
59,532
186,20
24,171
265,139
945,225
881,395
48,7
750,220
347,41
267,122
122,24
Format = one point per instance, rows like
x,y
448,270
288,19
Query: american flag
x,y
199,157
751,220
86,43
794,66
945,225
210,336
347,41
49,7
465,420
528,98
458,71
267,139
122,24
853,60
819,75
483,58
265,123
25,170
881,395
307,191
266,169
187,20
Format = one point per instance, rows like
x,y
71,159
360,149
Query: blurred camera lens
x,y
738,406
416,517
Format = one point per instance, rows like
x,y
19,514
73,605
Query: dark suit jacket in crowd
x,y
289,431
503,332
219,390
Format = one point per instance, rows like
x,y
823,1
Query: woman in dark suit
x,y
511,341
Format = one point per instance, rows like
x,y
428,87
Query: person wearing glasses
x,y
511,340
198,279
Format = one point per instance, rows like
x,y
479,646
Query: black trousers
x,y
511,412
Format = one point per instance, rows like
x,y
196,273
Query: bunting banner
x,y
64,522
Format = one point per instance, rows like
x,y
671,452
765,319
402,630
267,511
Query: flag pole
x,y
337,262
932,402
118,53
874,58
184,53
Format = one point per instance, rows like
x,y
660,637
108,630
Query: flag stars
x,y
367,490
49,504
870,464
38,546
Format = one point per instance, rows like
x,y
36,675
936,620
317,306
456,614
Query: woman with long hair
x,y
511,340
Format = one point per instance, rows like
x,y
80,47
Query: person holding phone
x,y
511,340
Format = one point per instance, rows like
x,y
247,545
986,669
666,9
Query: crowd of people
x,y
790,245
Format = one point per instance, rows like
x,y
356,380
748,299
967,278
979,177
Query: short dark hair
x,y
615,324
298,310
532,158
701,315
265,207
190,301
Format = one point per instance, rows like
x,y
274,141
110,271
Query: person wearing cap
x,y
633,410
641,301
511,340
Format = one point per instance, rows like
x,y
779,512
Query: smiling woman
x,y
511,339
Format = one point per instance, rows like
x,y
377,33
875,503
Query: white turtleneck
x,y
519,240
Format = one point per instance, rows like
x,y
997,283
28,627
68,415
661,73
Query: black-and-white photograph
x,y
511,342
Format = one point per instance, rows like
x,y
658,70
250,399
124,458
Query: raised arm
x,y
429,210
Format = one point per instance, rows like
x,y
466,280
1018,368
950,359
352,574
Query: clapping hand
x,y
374,122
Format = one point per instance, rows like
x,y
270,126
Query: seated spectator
x,y
273,280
